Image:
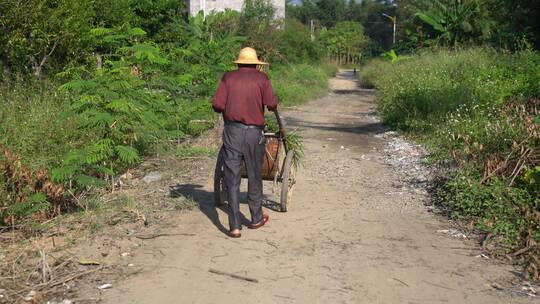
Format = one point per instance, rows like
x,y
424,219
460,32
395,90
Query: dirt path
x,y
352,235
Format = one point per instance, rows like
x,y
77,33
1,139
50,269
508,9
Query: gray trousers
x,y
242,144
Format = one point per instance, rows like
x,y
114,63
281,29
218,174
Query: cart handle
x,y
280,123
281,130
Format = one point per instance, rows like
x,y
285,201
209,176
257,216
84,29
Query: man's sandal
x,y
261,223
235,234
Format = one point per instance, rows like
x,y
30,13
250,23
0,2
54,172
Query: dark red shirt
x,y
242,96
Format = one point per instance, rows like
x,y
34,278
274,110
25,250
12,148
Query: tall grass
x,y
31,123
418,92
477,110
296,84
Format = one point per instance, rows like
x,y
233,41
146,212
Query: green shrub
x,y
370,72
296,84
32,125
493,206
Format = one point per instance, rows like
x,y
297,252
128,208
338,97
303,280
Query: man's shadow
x,y
205,201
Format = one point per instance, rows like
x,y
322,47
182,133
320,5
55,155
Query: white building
x,y
207,6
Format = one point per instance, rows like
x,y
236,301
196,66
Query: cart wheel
x,y
220,188
288,179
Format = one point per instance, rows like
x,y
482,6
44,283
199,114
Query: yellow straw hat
x,y
248,56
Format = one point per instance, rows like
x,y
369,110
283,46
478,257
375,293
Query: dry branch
x,y
234,276
153,236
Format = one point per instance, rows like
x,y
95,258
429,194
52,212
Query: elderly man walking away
x,y
241,97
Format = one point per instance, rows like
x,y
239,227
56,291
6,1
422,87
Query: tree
x,y
453,21
331,11
295,43
258,24
155,16
327,13
376,25
33,32
517,22
112,13
345,42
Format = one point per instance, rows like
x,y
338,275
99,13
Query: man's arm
x,y
269,98
220,99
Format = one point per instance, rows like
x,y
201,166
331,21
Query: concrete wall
x,y
194,6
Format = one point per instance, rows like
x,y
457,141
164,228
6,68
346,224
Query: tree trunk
x,y
38,67
99,61
4,60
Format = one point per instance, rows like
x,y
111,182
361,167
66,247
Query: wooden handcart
x,y
278,167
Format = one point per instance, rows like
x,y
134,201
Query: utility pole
x,y
394,21
312,31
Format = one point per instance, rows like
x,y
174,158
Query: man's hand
x,y
280,123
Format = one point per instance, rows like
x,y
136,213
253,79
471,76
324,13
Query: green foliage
x,y
345,42
372,71
33,204
258,25
293,140
299,83
159,18
294,143
392,56
458,104
112,13
119,111
493,206
119,78
32,125
326,14
115,37
516,23
258,13
509,24
295,44
37,33
532,179
454,21
420,91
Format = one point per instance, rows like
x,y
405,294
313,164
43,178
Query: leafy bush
x,y
369,73
115,107
492,206
297,84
